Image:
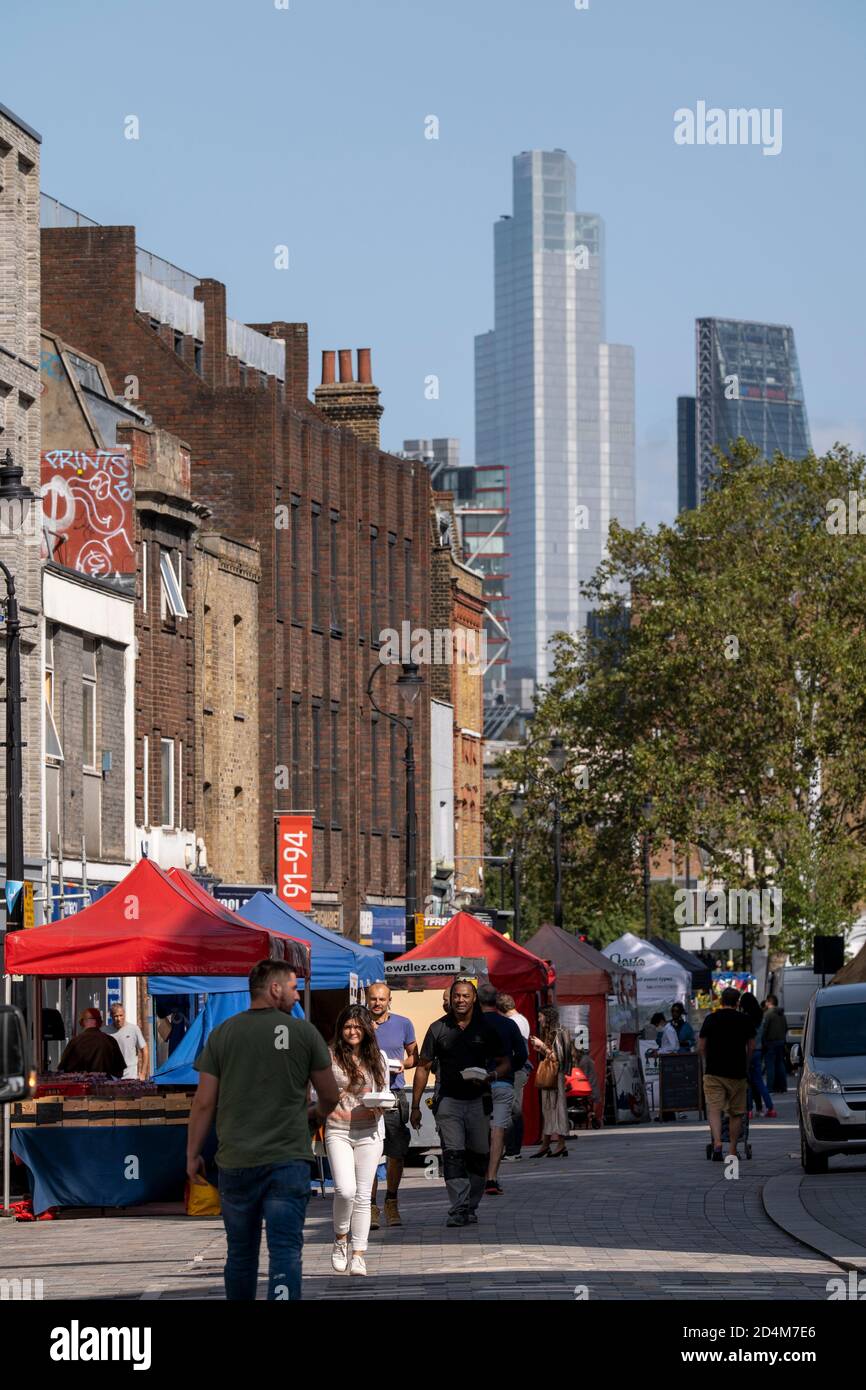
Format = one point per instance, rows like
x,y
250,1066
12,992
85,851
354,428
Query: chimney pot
x,y
365,373
328,377
346,364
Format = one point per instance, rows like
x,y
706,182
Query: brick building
x,y
457,681
168,716
342,530
226,595
19,435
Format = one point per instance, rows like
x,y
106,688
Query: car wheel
x,y
812,1162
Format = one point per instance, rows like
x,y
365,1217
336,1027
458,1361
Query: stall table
x,y
103,1151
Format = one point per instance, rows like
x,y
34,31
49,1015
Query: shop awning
x,y
148,924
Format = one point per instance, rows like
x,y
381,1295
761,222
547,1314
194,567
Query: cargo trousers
x,y
464,1131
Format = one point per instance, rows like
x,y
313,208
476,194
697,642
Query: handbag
x,y
202,1199
547,1074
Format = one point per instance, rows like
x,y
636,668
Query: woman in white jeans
x,y
354,1134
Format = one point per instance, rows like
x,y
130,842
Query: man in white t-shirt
x,y
130,1040
514,1133
669,1041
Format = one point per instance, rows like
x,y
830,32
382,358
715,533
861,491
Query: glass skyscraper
x,y
748,383
554,409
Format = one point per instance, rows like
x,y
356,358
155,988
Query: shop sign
x,y
436,965
236,895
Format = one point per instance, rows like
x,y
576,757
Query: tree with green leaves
x,y
722,705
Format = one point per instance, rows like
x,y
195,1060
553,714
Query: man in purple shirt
x,y
396,1037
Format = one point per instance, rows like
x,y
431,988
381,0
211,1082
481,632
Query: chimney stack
x,y
350,403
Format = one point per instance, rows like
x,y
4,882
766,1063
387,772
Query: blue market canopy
x,y
334,957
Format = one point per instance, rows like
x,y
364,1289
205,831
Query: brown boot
x,y
392,1212
374,1216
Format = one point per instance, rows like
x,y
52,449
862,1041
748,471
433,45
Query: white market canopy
x,y
660,979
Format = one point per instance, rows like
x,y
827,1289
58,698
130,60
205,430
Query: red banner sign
x,y
295,861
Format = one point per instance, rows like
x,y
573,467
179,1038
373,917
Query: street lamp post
x,y
557,755
15,497
518,809
409,685
647,813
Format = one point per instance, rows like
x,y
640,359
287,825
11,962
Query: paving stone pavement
x,y
634,1212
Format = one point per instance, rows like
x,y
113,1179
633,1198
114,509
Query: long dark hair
x,y
369,1052
752,1009
548,1024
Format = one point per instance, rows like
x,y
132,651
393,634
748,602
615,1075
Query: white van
x,y
794,986
831,1096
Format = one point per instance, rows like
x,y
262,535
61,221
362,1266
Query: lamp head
x,y
410,682
557,754
16,498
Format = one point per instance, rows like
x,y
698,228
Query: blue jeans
x,y
756,1081
774,1061
278,1194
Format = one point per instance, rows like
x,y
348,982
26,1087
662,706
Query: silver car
x,y
831,1094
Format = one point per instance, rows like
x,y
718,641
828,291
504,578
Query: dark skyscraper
x,y
687,473
748,383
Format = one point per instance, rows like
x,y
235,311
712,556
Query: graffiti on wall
x,y
87,510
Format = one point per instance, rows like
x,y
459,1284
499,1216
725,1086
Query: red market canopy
x,y
148,924
511,968
212,905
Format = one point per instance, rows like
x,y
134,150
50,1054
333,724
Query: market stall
x,y
699,970
339,965
661,980
511,968
339,970
586,980
130,1147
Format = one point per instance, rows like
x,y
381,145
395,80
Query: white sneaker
x,y
340,1255
359,1264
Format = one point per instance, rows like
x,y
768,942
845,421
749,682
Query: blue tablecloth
x,y
88,1167
105,1166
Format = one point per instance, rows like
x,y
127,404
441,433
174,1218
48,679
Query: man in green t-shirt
x,y
254,1071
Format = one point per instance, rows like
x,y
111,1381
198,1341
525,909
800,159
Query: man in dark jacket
x,y
773,1036
92,1050
512,1046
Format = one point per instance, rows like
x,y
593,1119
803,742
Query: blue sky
x,y
262,126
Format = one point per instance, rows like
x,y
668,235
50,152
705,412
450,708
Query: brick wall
x,y
458,606
256,448
19,432
166,523
227,578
